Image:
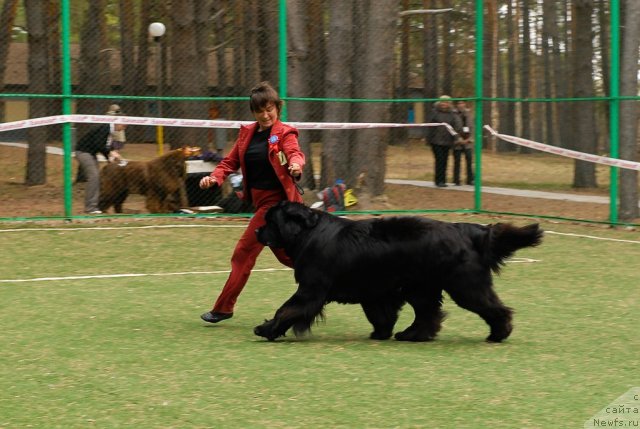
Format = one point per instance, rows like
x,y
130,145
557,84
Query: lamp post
x,y
157,30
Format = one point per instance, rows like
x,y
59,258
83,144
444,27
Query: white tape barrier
x,y
203,123
631,165
200,123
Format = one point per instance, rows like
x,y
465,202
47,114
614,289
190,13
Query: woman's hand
x,y
207,182
294,169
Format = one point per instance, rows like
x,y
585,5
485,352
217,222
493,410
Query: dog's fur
x,y
161,180
384,262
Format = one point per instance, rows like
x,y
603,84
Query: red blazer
x,y
282,138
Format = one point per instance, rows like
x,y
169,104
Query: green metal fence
x,y
467,78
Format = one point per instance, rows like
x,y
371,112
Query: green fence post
x,y
282,55
478,106
614,108
66,106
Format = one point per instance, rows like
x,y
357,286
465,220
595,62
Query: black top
x,y
260,172
95,141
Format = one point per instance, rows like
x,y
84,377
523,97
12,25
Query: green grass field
x,y
86,351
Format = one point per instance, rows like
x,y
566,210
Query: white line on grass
x,y
113,276
106,228
186,273
619,240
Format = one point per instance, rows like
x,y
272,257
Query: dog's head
x,y
285,222
188,151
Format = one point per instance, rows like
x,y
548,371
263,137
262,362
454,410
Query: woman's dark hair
x,y
263,94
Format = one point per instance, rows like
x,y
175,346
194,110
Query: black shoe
x,y
469,182
458,184
215,317
441,185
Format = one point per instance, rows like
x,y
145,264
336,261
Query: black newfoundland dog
x,y
384,262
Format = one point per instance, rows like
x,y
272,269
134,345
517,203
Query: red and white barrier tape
x,y
200,123
631,165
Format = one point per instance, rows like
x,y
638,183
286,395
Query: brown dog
x,y
161,180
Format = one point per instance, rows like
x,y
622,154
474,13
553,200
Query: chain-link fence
x,y
547,72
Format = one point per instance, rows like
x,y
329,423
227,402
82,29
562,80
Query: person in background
x,y
97,140
440,139
464,145
270,160
118,136
118,139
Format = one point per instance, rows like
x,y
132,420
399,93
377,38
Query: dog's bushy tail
x,y
504,239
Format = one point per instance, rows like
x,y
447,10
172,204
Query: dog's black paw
x,y
376,335
266,330
412,334
499,334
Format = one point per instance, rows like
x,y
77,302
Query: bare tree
x,y
377,64
603,35
490,60
430,53
127,53
583,115
94,59
7,17
267,39
629,110
219,12
508,81
562,67
36,11
54,106
525,74
338,84
184,62
549,29
298,76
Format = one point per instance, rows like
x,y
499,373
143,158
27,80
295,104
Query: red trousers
x,y
247,251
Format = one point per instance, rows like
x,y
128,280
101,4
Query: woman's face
x,y
267,116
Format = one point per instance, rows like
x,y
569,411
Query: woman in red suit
x,y
270,159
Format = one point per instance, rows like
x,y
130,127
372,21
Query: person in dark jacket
x,y
464,146
97,140
269,157
440,138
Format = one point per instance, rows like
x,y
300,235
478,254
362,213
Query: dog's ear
x,y
300,214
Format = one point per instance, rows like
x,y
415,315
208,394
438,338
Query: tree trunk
x,y
525,75
430,55
220,12
267,20
298,77
379,61
603,19
335,143
140,74
548,30
127,54
584,131
508,111
252,45
629,111
94,64
184,61
400,111
448,73
562,68
36,11
7,17
489,55
54,106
